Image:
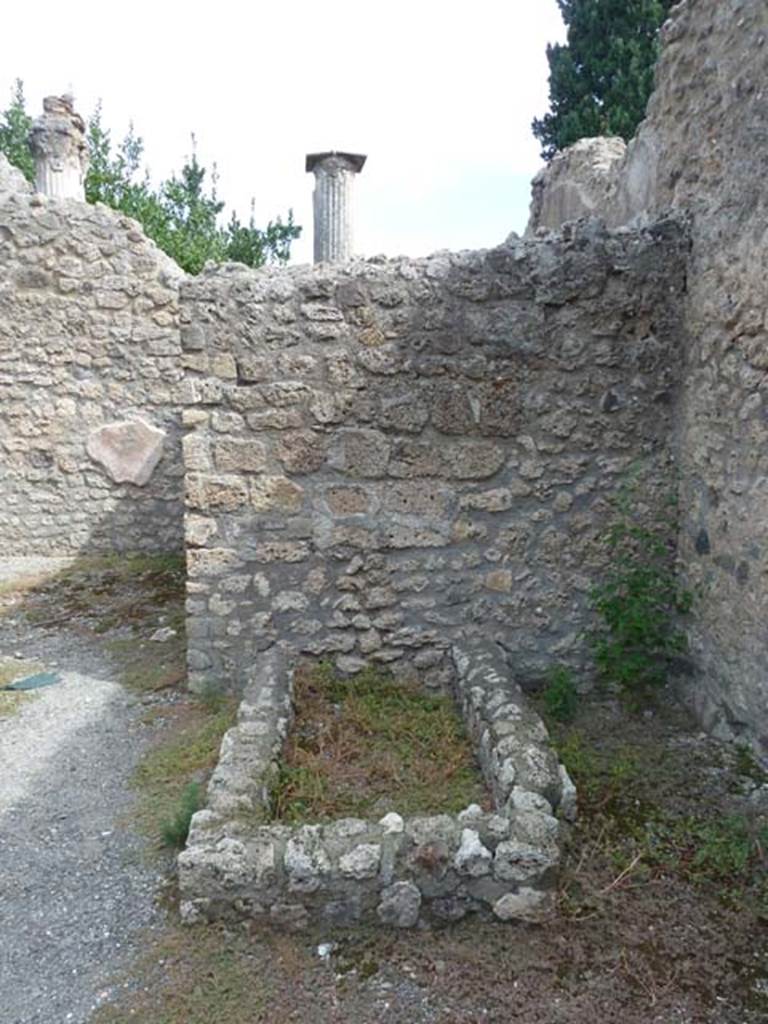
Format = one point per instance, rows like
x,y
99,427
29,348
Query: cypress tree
x,y
600,80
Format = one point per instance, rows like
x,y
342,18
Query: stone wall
x,y
88,340
703,149
383,456
578,182
701,153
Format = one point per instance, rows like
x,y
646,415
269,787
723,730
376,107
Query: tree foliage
x,y
601,79
182,215
14,131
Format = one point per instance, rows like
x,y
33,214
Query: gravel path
x,y
75,888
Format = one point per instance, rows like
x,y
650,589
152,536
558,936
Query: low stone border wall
x,y
397,870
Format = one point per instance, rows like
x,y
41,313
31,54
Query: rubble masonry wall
x,y
386,455
88,338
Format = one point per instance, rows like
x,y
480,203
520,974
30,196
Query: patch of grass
x,y
195,976
15,668
747,766
369,744
10,702
110,591
175,831
560,696
186,755
146,667
625,821
718,850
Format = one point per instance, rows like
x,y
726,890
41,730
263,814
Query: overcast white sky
x,y
440,95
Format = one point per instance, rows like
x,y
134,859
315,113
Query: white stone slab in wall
x,y
128,450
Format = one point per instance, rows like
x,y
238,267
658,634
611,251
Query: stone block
x,y
405,412
400,535
360,453
281,551
347,501
525,905
412,459
269,493
400,905
451,409
516,861
129,450
472,858
498,500
473,460
233,455
306,861
212,561
216,493
198,530
197,453
361,862
302,451
416,498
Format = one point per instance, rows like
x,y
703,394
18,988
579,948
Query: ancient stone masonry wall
x,y
387,455
703,149
91,382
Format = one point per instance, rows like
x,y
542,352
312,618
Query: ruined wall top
x,y
579,181
702,137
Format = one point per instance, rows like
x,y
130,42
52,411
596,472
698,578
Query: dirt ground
x,y
663,902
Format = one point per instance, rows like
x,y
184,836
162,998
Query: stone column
x,y
332,201
58,144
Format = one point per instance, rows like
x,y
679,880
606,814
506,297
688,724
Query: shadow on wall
x,y
91,379
117,487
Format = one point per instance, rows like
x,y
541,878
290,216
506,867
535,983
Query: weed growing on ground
x,y
639,603
624,822
369,745
560,695
174,832
747,766
186,759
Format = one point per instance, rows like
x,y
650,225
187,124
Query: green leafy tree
x,y
600,80
182,215
14,130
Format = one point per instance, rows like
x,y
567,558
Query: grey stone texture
x,y
89,336
387,456
704,144
581,181
700,154
396,871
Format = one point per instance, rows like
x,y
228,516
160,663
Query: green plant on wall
x,y
640,601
